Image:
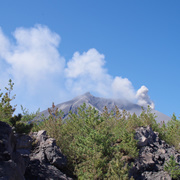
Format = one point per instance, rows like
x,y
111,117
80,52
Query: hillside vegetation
x,y
98,146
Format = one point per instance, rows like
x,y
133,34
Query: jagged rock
x,y
23,143
146,136
53,154
19,161
46,160
153,155
9,170
12,165
7,139
38,171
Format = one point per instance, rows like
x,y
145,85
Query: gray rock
x,y
9,170
7,139
23,141
153,156
53,154
39,171
19,161
145,136
12,165
46,159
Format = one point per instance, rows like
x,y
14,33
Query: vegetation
x,y
170,132
103,146
98,146
172,167
7,110
26,116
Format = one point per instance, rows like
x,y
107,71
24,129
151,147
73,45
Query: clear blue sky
x,y
140,41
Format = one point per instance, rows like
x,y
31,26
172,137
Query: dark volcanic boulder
x,y
39,171
12,165
19,161
153,155
46,160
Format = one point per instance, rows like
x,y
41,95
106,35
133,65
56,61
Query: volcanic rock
x,y
154,153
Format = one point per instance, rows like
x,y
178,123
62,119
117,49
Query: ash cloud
x,y
143,97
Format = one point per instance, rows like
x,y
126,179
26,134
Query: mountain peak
x,y
99,104
88,94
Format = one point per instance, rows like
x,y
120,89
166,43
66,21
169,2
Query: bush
x,y
19,126
170,132
26,116
96,145
6,109
92,142
172,167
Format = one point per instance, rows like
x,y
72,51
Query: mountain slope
x,y
99,104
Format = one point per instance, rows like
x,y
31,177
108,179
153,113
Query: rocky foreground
x,y
36,157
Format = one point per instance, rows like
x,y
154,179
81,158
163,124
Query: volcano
x,y
99,103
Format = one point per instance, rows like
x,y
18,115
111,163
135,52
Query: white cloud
x,y
5,45
34,56
143,97
33,61
122,88
86,73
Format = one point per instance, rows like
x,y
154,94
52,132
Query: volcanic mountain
x,y
99,104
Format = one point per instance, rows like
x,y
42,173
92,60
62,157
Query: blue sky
x,y
56,50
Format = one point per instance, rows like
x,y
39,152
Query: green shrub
x,y
96,144
172,135
173,168
19,126
118,168
92,142
170,132
26,116
6,109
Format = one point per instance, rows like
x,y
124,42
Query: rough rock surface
x,y
46,160
20,161
12,164
153,155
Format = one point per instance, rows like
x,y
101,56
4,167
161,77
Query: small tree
x,y
6,109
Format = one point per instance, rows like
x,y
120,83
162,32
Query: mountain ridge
x,y
99,103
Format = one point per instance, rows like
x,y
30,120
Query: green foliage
x,y
52,124
147,118
91,141
173,168
19,126
170,132
172,135
6,109
118,168
26,116
101,146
